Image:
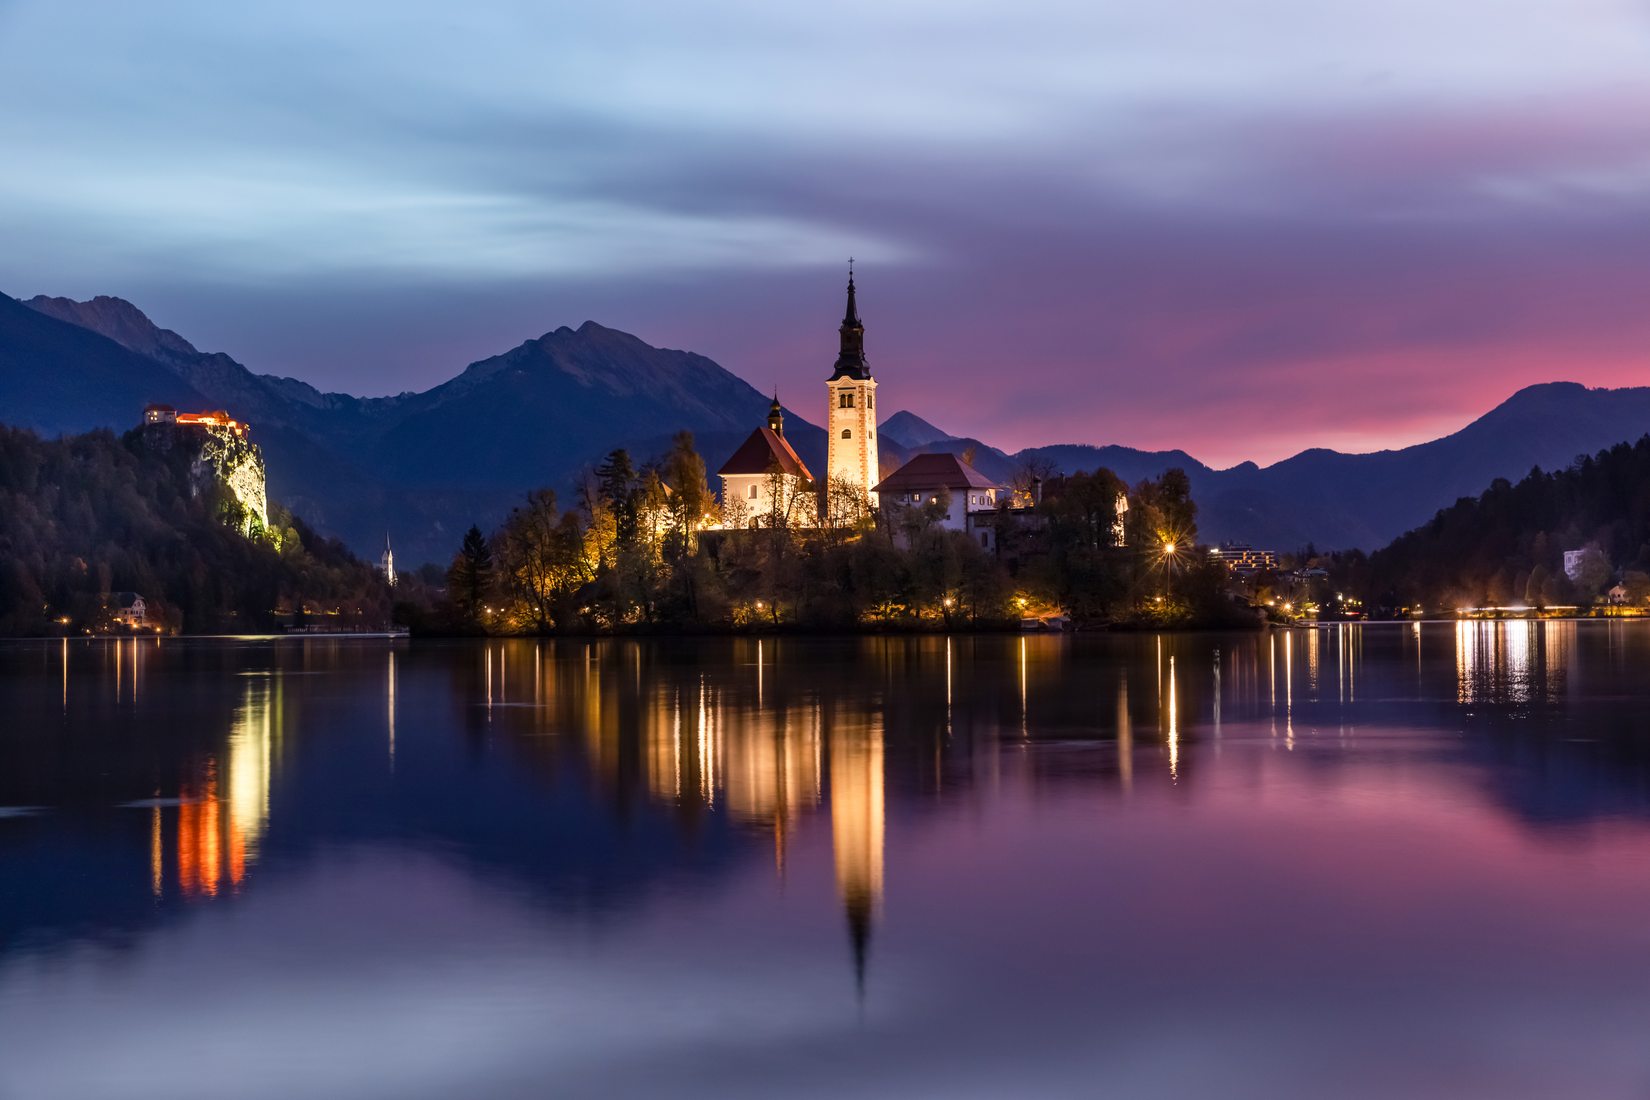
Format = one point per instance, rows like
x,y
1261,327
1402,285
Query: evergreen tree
x,y
618,483
470,577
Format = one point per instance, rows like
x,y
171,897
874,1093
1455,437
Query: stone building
x,y
765,483
943,478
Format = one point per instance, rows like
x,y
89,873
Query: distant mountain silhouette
x,y
423,466
907,429
1340,500
58,378
420,466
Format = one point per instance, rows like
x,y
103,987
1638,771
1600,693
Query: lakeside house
x,y
128,609
942,478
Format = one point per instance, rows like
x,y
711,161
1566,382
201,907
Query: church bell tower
x,y
851,412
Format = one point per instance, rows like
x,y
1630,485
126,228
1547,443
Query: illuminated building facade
x,y
851,415
932,479
217,418
765,483
1243,558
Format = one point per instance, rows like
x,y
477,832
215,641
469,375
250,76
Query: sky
x,y
1236,227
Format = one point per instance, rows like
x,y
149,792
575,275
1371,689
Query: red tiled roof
x,y
935,471
764,448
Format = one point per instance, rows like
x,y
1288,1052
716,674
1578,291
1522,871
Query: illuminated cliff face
x,y
227,456
219,454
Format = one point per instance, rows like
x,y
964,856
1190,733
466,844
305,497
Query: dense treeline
x,y
1506,547
88,516
650,548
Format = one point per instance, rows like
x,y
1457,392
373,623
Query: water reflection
x,y
857,833
899,828
222,809
1516,661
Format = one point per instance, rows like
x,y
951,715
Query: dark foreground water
x,y
1377,861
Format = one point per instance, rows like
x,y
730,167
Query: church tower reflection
x,y
857,809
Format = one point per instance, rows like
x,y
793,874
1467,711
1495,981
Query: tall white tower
x,y
851,416
386,564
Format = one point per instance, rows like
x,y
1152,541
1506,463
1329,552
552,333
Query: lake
x,y
1383,860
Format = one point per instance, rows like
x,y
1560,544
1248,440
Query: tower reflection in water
x,y
768,734
223,804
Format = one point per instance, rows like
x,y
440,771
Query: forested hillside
x,y
1507,546
87,516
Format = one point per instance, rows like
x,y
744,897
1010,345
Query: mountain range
x,y
421,467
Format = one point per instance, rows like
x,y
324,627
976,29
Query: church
x,y
766,484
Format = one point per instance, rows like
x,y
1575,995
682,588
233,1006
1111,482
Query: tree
x,y
1592,573
847,508
617,481
541,560
691,500
470,577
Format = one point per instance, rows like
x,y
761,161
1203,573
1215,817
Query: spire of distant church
x,y
850,361
776,416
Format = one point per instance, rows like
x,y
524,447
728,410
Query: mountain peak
x,y
910,430
116,319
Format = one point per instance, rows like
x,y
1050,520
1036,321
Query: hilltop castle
x,y
219,452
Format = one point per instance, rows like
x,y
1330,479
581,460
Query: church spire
x,y
776,416
850,361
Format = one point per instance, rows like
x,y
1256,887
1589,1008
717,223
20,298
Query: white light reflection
x,y
948,685
1174,727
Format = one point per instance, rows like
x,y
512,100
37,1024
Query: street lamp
x,y
1169,551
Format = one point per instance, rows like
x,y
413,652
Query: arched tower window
x,y
845,400
846,434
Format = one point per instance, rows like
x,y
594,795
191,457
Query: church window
x,y
753,492
870,401
846,434
845,400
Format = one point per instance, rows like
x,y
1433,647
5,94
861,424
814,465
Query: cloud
x,y
1226,227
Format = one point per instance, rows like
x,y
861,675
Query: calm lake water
x,y
1368,861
